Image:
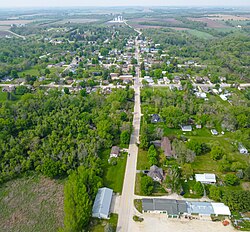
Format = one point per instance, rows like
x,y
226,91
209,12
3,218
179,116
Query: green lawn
x,y
98,225
32,72
114,174
31,204
142,160
4,96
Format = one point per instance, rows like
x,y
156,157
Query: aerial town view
x,y
129,116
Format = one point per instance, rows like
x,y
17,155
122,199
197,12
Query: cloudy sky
x,y
62,3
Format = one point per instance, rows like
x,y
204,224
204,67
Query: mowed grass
x,y
200,34
114,174
31,204
142,160
31,72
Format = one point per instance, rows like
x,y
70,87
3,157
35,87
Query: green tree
x,y
125,137
214,193
66,90
198,188
217,153
231,179
147,185
152,155
187,170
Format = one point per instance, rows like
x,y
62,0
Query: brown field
x,y
9,22
31,204
5,33
210,23
227,17
167,20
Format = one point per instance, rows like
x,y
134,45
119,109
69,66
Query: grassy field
x,y
32,72
114,174
31,204
98,225
200,34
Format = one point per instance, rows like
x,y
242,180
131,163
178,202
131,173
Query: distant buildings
x,y
118,19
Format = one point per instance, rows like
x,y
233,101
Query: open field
x,y
227,17
31,204
10,22
210,23
80,20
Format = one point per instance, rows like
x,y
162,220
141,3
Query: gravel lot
x,y
159,223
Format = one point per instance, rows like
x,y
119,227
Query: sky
x,y
65,3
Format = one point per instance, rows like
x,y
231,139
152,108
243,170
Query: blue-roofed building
x,y
101,207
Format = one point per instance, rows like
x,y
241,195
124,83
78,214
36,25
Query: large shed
x,y
102,203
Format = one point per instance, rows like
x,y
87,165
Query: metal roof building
x,y
102,203
169,206
200,208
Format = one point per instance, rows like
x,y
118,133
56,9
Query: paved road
x,y
126,211
223,85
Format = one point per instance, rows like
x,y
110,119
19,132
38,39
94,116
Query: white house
x,y
206,178
242,149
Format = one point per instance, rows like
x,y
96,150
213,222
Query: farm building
x,y
102,203
206,178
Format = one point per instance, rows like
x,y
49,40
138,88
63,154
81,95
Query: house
x,y
214,132
115,152
186,128
223,97
155,118
9,89
166,147
114,76
156,173
102,203
242,149
206,178
166,80
198,126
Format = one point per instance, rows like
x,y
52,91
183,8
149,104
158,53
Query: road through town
x,y
126,206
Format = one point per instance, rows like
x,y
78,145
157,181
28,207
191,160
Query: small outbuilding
x,y
186,128
166,147
101,207
214,132
242,149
